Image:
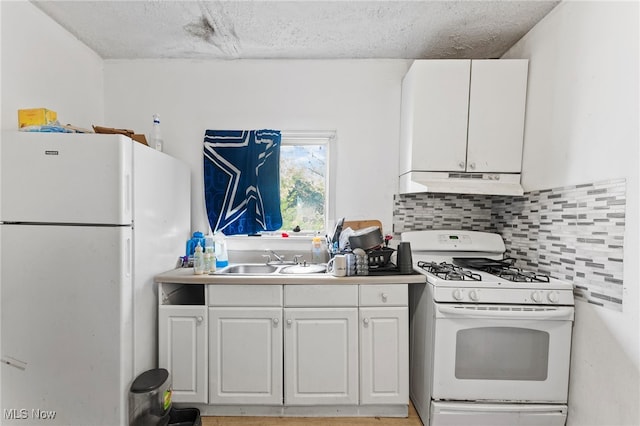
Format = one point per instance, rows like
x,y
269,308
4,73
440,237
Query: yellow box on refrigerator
x,y
36,117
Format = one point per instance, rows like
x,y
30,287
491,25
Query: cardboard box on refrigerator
x,y
36,117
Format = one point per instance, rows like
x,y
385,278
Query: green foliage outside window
x,y
302,187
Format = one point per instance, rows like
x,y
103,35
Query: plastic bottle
x,y
156,134
198,260
222,259
209,254
316,250
198,237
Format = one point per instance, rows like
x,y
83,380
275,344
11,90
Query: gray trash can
x,y
150,399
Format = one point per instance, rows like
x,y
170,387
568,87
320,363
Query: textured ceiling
x,y
301,29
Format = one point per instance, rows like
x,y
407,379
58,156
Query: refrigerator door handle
x,y
127,253
20,365
127,194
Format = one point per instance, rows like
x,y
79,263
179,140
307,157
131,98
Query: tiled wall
x,y
574,233
441,211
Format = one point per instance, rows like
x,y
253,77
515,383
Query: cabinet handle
x,y
472,166
289,322
276,321
365,321
199,319
461,164
384,297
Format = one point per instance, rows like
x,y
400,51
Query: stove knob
x,y
473,295
553,297
536,297
457,294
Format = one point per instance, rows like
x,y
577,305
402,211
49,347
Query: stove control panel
x,y
503,295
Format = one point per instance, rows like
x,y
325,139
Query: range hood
x,y
461,183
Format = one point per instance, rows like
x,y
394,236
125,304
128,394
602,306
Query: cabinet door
x,y
435,104
182,343
496,115
384,355
321,356
245,355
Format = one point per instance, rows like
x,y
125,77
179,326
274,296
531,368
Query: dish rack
x,y
379,256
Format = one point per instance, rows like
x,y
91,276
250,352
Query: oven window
x,y
502,353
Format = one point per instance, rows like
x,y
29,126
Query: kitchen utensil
x,y
380,256
366,238
337,231
361,224
337,266
404,258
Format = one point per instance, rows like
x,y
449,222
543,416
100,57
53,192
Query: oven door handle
x,y
557,313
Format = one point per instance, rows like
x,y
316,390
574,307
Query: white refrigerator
x,y
86,221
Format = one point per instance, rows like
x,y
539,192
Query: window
x,y
304,180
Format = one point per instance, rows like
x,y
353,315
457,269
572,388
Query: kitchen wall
x,y
416,212
359,99
44,66
582,128
574,233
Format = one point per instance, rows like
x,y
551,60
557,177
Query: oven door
x,y
501,353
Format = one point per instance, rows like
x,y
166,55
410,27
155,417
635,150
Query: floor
x,y
412,420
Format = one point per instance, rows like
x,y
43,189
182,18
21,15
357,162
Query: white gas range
x,y
490,343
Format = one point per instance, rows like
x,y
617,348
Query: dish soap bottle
x,y
209,256
156,134
222,259
316,250
198,260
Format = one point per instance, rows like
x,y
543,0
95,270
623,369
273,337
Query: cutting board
x,y
361,224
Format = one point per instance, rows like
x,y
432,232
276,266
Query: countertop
x,y
186,276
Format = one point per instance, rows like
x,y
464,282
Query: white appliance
x,y
490,343
86,221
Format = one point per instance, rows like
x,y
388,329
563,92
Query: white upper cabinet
x,y
496,115
435,105
463,116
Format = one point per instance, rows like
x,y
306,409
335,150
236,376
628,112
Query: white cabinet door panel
x,y
435,111
321,356
245,355
182,343
384,355
496,115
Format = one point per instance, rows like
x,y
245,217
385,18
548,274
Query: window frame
x,y
315,137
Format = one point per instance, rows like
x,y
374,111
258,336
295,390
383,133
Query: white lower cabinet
x,y
245,355
321,356
384,344
384,355
340,347
182,343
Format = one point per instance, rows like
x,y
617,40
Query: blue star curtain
x,y
242,180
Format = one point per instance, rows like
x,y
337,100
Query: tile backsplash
x,y
413,212
574,233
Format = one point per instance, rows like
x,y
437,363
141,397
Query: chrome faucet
x,y
276,255
280,259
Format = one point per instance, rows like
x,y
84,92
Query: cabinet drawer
x,y
384,295
321,295
245,295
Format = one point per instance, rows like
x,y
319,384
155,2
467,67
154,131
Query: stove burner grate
x,y
448,271
511,273
504,269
